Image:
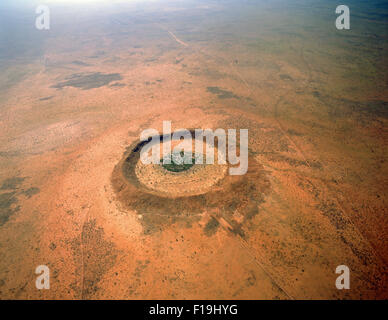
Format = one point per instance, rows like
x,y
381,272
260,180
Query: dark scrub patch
x,y
12,183
222,94
293,132
377,107
95,256
316,94
236,227
117,84
80,63
276,157
251,280
339,108
252,211
285,77
345,229
86,81
7,206
330,210
46,98
211,227
141,266
9,154
31,192
232,193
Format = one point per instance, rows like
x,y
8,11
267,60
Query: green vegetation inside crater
x,y
178,162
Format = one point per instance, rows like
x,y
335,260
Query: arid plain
x,y
75,98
